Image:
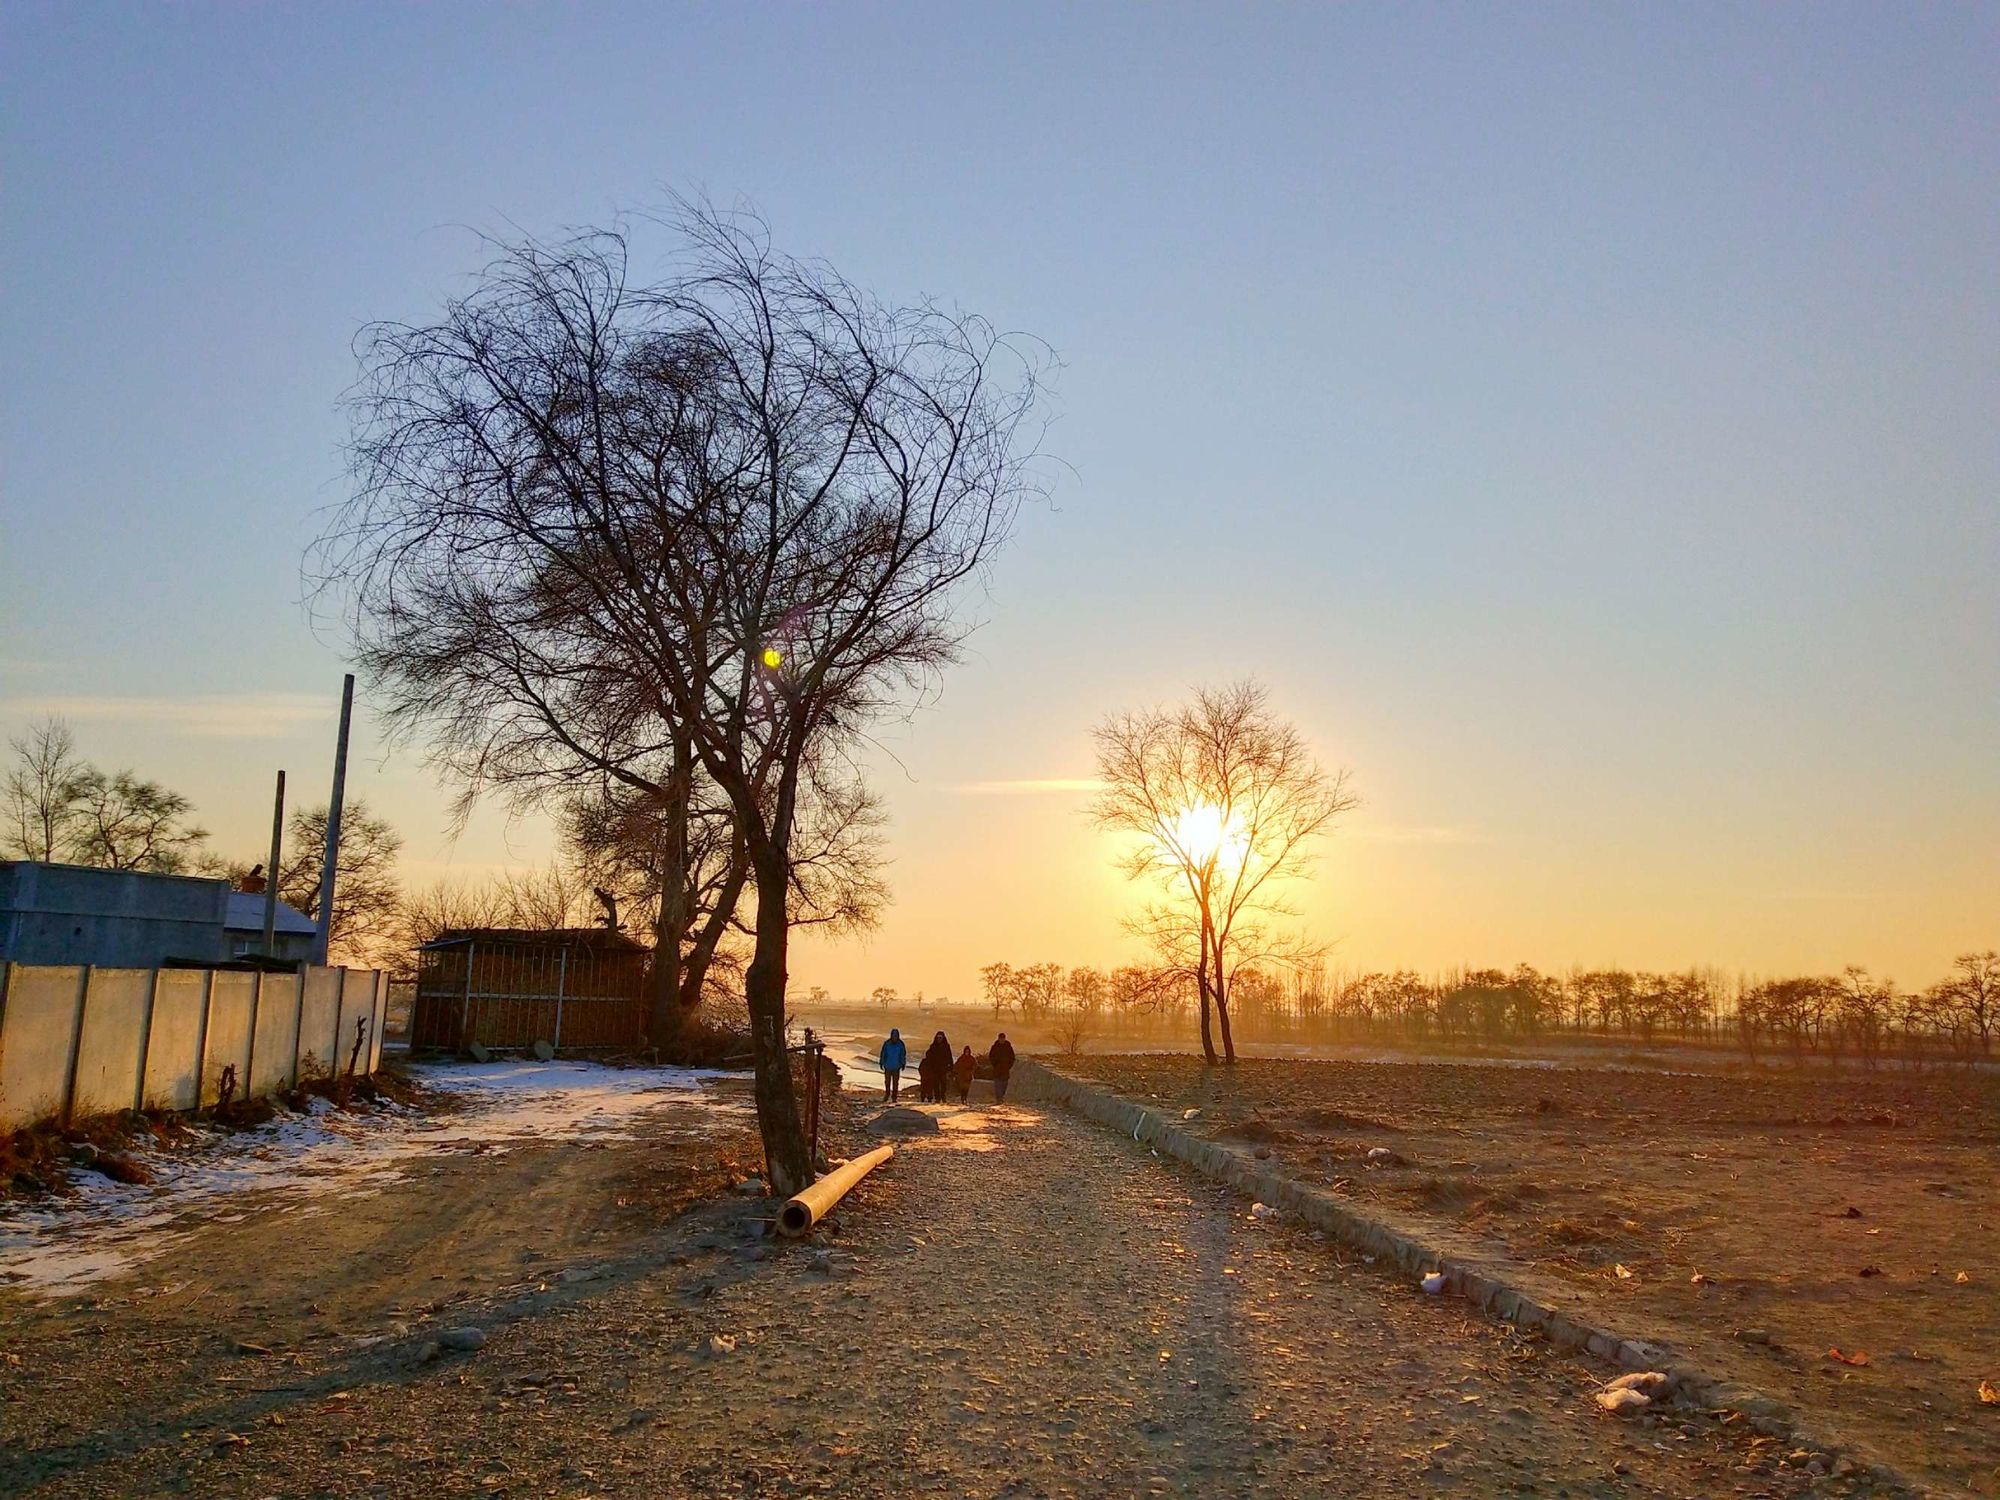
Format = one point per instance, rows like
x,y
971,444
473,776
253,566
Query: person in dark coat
x,y
1001,1059
962,1073
935,1069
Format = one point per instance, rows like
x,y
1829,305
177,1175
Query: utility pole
x,y
271,870
331,862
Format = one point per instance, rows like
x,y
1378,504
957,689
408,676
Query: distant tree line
x,y
1853,1014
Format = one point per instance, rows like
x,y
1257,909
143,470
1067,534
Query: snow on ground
x,y
309,1162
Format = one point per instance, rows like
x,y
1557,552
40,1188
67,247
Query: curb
x,y
1472,1280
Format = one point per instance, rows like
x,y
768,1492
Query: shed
x,y
505,987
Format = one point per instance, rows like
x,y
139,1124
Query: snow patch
x,y
308,1162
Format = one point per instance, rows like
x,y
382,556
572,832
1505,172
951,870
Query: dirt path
x,y
1023,1306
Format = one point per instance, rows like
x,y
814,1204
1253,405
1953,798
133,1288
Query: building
x,y
292,933
503,987
126,919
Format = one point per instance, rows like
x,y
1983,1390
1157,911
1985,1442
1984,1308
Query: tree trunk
x,y
663,983
1202,988
663,1010
787,1155
1222,1016
705,941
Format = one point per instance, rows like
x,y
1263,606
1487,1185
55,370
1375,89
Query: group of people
x,y
938,1072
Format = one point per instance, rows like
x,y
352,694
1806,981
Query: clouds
x,y
1029,788
235,716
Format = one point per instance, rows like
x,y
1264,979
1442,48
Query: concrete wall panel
x,y
320,1051
35,1032
173,1079
229,1004
274,1057
115,1024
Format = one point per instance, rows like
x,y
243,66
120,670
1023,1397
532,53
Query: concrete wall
x,y
232,1001
173,1050
274,1044
110,1054
72,914
80,1040
38,1015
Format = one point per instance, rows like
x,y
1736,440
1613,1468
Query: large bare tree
x,y
1222,800
725,519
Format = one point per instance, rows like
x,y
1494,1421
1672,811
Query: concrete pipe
x,y
809,1207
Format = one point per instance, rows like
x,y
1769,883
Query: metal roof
x,y
549,937
246,914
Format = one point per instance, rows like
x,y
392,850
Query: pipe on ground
x,y
802,1212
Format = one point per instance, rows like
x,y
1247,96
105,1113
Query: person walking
x,y
894,1055
1001,1059
935,1069
962,1073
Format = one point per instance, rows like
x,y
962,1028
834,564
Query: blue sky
x,y
1583,418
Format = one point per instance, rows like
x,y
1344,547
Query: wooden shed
x,y
576,988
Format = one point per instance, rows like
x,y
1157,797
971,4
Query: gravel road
x,y
1022,1306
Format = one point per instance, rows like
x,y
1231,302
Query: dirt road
x,y
1022,1306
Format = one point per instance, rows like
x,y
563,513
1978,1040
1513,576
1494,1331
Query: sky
x,y
1583,419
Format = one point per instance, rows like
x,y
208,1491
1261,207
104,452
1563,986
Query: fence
x,y
507,993
79,1040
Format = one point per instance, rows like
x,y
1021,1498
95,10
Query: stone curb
x,y
1471,1280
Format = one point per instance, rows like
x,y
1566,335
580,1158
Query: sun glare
x,y
1204,832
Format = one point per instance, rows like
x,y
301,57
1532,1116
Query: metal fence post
x,y
465,1008
562,973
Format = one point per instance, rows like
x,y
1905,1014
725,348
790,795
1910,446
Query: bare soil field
x,y
1022,1305
1752,1221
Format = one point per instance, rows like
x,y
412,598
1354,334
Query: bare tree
x,y
676,856
689,874
1000,988
1222,800
724,520
367,898
1973,990
125,823
40,799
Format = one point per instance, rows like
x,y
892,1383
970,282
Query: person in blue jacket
x,y
894,1055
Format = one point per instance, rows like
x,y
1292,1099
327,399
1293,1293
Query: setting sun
x,y
1205,832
